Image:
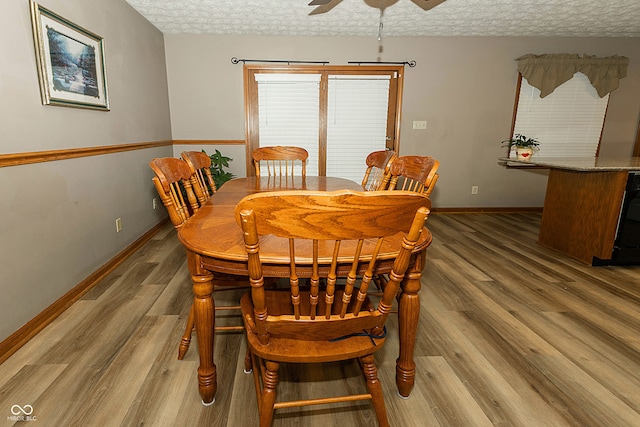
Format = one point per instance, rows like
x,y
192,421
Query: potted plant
x,y
218,165
525,146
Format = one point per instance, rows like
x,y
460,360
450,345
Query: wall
x,y
235,151
464,87
57,219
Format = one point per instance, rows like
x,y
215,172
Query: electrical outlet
x,y
155,203
420,124
118,225
474,189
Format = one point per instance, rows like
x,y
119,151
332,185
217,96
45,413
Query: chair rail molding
x,y
16,159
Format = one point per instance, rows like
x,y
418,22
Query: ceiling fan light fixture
x,y
324,6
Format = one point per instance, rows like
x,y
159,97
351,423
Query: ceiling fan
x,y
324,6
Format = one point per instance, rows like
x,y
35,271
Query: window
x,y
289,112
568,122
562,100
338,113
356,122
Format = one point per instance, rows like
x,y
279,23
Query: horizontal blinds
x,y
289,111
568,122
356,122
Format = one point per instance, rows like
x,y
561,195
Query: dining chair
x,y
378,166
173,182
201,179
414,173
280,160
173,179
335,322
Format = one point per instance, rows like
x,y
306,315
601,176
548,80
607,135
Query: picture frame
x,y
70,62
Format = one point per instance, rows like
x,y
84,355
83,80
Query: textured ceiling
x,y
565,18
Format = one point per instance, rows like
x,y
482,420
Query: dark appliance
x,y
626,249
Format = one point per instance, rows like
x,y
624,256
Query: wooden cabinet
x,y
581,211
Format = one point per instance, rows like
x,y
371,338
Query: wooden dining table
x,y
215,245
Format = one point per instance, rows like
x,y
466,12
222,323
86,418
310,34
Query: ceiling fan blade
x,y
319,2
323,8
428,4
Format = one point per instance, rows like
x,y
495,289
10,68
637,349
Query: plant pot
x,y
524,153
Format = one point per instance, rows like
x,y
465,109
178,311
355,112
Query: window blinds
x,y
356,122
289,111
568,122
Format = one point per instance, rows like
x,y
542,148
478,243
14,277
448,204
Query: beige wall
x,y
464,87
57,219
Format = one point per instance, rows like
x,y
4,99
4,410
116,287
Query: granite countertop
x,y
584,164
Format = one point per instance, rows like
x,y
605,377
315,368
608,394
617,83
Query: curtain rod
x,y
411,63
235,60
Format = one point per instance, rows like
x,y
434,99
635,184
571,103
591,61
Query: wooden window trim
x,y
251,97
636,148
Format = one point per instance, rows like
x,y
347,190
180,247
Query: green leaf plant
x,y
218,164
521,141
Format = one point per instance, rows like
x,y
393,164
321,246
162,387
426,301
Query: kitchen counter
x,y
584,164
582,204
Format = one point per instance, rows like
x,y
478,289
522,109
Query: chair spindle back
x,y
173,176
320,228
418,173
378,167
201,178
280,160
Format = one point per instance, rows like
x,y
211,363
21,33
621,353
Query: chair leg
x,y
269,384
258,369
186,337
375,389
248,365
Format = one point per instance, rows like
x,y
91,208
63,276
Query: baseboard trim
x,y
19,338
485,210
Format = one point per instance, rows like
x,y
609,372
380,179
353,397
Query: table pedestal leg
x,y
204,311
408,317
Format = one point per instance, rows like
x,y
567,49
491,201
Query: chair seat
x,y
306,347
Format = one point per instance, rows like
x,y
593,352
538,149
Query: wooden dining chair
x,y
414,173
173,182
174,178
201,178
300,324
280,160
378,167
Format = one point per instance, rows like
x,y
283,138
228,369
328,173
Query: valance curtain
x,y
548,71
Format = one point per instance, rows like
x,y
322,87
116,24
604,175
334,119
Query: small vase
x,y
524,153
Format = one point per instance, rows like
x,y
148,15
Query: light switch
x,y
420,124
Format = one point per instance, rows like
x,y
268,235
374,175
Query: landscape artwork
x,y
70,62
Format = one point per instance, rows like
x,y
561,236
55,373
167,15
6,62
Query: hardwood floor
x,y
511,334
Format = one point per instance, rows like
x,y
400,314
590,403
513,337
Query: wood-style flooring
x,y
511,334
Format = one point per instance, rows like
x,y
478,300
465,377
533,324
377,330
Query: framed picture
x,y
70,62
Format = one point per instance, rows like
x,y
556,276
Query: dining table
x,y
214,244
